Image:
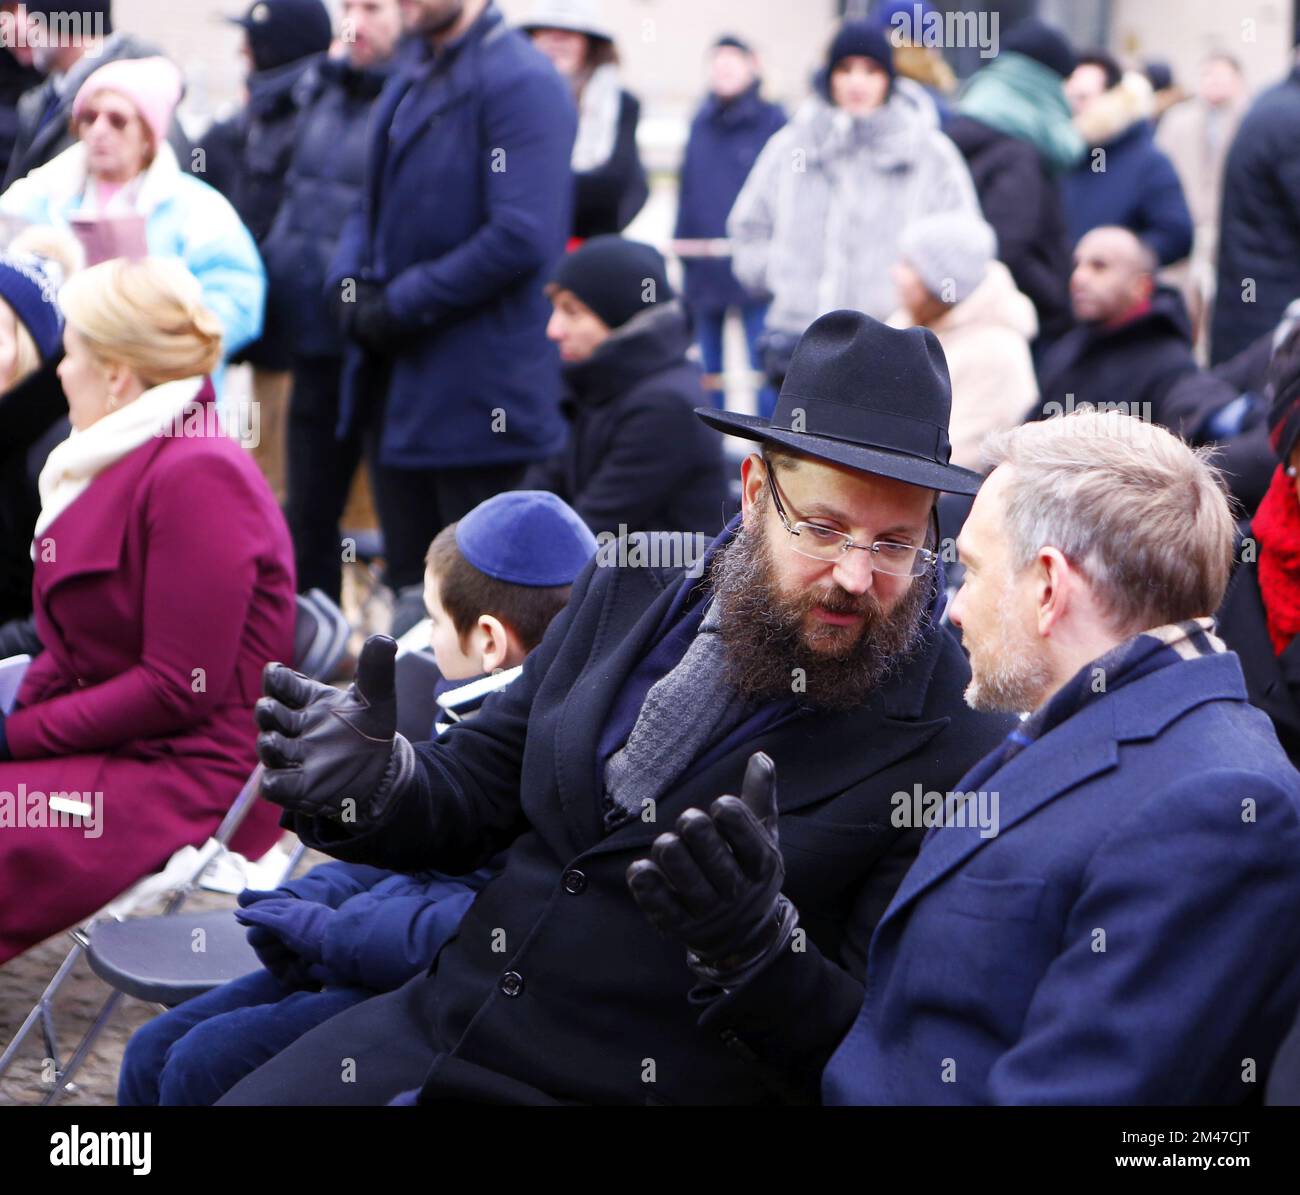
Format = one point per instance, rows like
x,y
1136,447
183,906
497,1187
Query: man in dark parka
x,y
811,633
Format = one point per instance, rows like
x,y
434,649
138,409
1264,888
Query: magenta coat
x,y
171,584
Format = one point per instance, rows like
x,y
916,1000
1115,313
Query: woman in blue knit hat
x,y
32,410
818,222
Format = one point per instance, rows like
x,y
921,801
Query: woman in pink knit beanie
x,y
124,193
123,112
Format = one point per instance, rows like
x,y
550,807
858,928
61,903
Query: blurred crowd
x,y
1063,279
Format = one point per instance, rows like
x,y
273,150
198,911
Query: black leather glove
x,y
715,881
332,753
372,323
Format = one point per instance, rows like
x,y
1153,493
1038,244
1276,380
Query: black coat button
x,y
574,882
512,983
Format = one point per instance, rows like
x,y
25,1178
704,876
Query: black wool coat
x,y
637,457
556,987
1272,681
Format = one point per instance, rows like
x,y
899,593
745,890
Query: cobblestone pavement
x,y
24,979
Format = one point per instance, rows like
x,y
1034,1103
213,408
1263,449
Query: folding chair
x,y
320,638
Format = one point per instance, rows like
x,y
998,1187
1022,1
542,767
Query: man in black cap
x,y
810,636
623,337
247,158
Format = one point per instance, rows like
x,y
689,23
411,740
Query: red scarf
x,y
1276,526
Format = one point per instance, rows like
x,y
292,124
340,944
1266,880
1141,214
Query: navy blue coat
x,y
1259,225
326,178
1139,190
1128,817
387,927
466,211
724,143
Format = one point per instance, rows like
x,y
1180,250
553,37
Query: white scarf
x,y
598,111
79,459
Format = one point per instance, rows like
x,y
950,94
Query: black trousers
x,y
320,470
415,504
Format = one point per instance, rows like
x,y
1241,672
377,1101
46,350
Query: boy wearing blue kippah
x,y
344,932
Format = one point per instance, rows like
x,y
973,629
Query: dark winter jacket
x,y
1259,231
1272,681
29,413
15,81
45,112
386,927
1138,190
607,197
1021,199
466,210
637,457
586,990
725,140
1134,364
248,157
322,187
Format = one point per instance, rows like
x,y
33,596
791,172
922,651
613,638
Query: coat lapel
x,y
87,536
1038,775
635,606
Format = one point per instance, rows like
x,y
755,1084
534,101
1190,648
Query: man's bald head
x,y
1114,271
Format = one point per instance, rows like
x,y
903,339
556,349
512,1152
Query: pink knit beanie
x,y
153,85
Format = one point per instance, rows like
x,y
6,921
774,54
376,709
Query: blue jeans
x,y
708,332
193,1054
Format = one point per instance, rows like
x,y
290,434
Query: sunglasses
x,y
117,121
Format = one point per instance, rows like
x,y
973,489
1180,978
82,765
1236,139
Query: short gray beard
x,y
767,651
1015,680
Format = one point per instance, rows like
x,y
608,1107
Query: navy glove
x,y
299,924
250,896
289,970
714,882
333,753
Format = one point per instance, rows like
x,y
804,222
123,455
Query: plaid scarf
x,y
1131,660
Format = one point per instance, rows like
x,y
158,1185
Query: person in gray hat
x,y
808,634
949,281
609,181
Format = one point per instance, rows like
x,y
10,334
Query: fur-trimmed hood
x,y
1114,112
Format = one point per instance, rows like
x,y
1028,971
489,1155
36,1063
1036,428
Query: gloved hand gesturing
x,y
333,753
299,924
715,881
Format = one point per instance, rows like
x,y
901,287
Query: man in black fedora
x,y
810,638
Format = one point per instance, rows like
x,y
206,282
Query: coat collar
x,y
456,62
1080,748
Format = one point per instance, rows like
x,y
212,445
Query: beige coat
x,y
986,339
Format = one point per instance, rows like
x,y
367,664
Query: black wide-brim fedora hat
x,y
861,394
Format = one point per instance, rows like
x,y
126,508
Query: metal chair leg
x,y
40,1011
64,1077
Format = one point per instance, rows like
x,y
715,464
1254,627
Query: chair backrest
x,y
320,636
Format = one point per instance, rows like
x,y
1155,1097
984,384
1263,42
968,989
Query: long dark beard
x,y
770,652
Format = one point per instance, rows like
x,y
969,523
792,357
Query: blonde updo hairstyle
x,y
147,315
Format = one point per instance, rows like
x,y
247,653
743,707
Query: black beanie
x,y
1039,41
283,31
616,278
861,39
730,39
